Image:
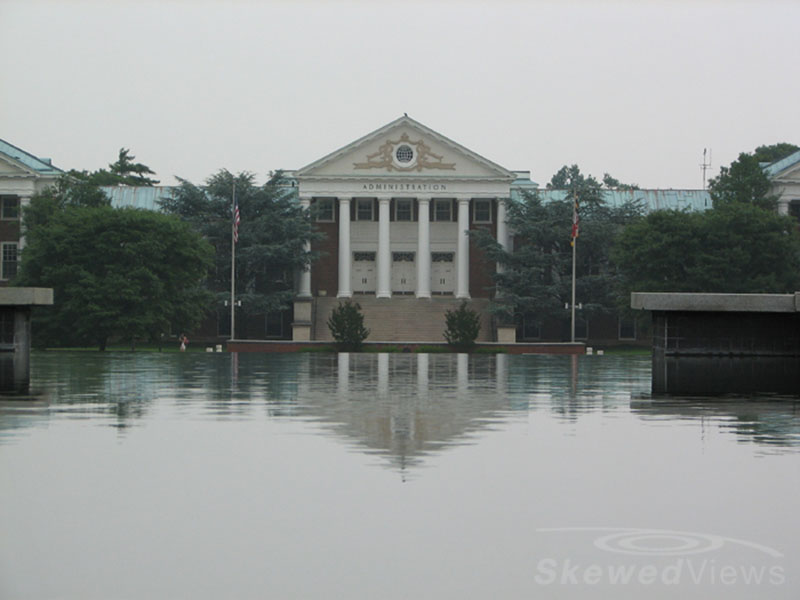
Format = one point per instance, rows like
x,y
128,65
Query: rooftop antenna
x,y
705,164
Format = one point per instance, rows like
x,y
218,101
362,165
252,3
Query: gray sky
x,y
637,89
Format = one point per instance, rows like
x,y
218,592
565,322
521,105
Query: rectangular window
x,y
9,264
627,328
442,210
324,210
794,209
7,326
9,208
364,207
481,211
403,209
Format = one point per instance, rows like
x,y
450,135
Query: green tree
x,y
462,326
124,171
117,273
346,324
272,236
774,152
745,182
734,248
537,276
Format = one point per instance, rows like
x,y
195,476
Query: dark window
x,y
482,211
9,208
274,324
442,210
9,266
364,207
325,210
531,328
581,328
627,328
404,209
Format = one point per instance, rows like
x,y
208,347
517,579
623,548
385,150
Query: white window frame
x,y
481,201
410,203
3,200
442,202
3,275
328,202
363,202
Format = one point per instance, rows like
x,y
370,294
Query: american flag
x,y
575,220
236,220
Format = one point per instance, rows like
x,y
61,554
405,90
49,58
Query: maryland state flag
x,y
575,221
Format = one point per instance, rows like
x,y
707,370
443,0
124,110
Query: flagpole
x,y
233,260
574,246
572,327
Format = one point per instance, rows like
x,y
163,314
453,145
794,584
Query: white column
x,y
24,201
343,375
424,249
304,290
422,375
783,206
383,374
462,253
384,265
502,234
345,284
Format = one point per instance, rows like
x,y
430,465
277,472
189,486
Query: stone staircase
x,y
401,318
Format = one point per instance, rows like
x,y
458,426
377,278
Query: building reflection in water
x,y
400,407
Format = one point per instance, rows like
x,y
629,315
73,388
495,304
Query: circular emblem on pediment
x,y
404,154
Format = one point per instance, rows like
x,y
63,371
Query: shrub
x,y
463,326
347,326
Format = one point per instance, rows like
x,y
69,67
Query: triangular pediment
x,y
404,148
10,167
789,174
15,162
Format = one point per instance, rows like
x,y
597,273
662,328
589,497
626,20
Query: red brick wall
x,y
481,270
325,271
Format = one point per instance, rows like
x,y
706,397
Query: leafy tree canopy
x,y
272,236
346,324
735,248
462,326
774,152
68,192
743,182
122,172
537,274
117,273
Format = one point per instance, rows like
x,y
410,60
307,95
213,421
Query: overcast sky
x,y
636,89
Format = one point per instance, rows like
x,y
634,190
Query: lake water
x,y
390,476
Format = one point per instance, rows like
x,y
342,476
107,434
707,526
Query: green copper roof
x,y
652,200
146,197
773,169
43,166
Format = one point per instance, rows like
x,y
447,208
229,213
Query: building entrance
x,y
404,273
363,274
443,274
